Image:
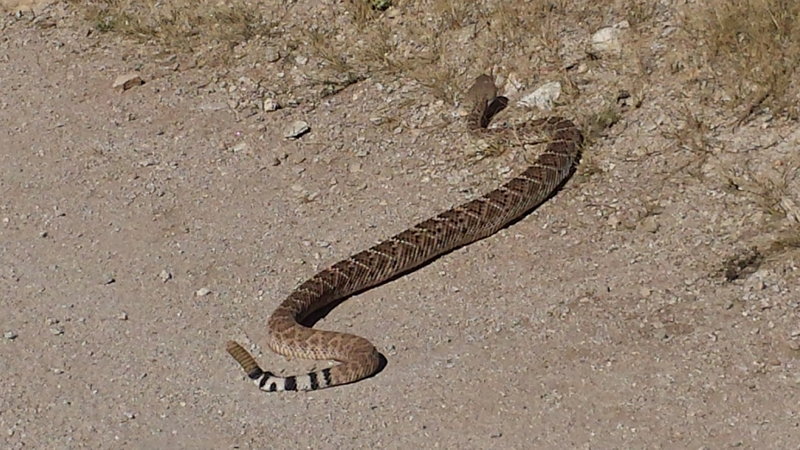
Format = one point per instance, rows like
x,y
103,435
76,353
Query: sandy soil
x,y
601,320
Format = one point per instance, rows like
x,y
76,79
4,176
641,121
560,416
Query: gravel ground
x,y
141,229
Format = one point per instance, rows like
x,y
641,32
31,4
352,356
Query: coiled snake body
x,y
459,226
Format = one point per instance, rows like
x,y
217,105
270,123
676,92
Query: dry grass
x,y
751,49
439,43
767,190
694,138
178,24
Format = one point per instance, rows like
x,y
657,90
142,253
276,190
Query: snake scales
x,y
456,227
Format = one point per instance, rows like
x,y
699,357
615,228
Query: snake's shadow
x,y
495,106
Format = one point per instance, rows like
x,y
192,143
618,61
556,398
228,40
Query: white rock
x,y
512,85
543,97
128,80
270,104
606,41
202,292
296,129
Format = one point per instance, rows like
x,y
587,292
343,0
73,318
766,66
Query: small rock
x,y
270,104
300,59
10,335
240,147
650,224
393,13
755,284
296,129
202,292
513,85
56,331
606,41
543,97
109,279
128,81
272,54
165,275
122,316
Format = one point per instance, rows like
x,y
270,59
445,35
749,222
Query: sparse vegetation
x,y
693,136
178,24
751,50
769,190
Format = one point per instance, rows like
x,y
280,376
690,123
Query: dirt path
x,y
140,230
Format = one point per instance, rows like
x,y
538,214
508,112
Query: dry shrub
x,y
752,48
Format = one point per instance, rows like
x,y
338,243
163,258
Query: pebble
x,y
165,275
127,81
650,224
122,316
270,104
10,335
296,129
272,54
605,41
56,331
754,283
544,97
202,292
512,85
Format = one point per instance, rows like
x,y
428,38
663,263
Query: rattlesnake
x,y
461,225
